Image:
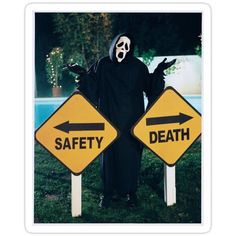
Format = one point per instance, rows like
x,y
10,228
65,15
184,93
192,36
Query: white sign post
x,y
76,195
169,185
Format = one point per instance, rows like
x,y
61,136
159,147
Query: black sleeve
x,y
88,84
154,85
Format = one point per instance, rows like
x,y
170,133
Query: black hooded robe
x,y
117,89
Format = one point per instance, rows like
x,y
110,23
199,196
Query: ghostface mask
x,y
122,48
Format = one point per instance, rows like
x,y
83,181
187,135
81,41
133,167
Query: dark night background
x,y
167,33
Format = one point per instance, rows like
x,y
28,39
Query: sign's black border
x,y
132,129
78,92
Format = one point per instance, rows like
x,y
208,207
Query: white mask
x,y
122,47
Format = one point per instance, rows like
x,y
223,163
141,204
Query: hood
x,y
112,50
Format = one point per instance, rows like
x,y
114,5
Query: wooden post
x,y
169,185
76,195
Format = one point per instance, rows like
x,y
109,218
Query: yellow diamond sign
x,y
169,127
76,133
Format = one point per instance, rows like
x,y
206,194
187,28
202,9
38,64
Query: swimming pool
x,y
44,107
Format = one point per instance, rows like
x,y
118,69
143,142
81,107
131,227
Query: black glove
x,y
75,68
80,71
163,66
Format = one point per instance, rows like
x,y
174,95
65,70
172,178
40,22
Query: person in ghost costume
x,y
116,85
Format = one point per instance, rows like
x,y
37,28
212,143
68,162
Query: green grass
x,y
52,194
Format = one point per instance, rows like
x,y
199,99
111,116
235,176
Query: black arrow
x,y
67,127
181,118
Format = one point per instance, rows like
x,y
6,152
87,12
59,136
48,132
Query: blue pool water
x,y
44,107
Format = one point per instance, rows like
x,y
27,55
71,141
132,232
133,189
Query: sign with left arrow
x,y
76,133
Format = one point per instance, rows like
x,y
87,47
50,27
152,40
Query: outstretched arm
x,y
87,81
156,80
75,68
163,66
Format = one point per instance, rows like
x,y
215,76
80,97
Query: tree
x,y
54,64
166,33
84,37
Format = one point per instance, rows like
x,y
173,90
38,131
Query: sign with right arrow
x,y
169,127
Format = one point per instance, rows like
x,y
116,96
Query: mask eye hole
x,y
126,47
120,44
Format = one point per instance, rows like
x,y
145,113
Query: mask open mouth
x,y
120,55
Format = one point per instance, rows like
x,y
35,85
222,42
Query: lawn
x,y
52,193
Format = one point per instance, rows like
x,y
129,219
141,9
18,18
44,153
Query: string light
x,y
54,63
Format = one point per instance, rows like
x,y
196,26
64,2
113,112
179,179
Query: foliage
x,y
148,56
198,50
174,68
84,36
52,192
167,33
54,64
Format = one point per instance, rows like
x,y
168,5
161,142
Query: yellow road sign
x,y
169,127
76,133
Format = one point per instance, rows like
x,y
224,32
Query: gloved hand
x,y
75,68
80,71
163,66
